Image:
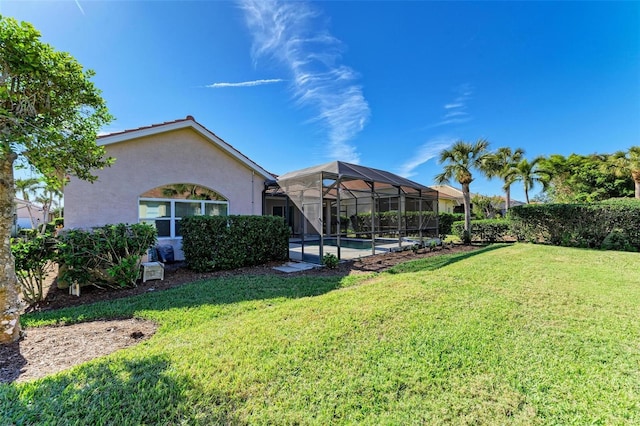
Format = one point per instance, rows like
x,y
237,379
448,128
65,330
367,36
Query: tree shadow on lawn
x,y
122,391
213,291
437,262
226,290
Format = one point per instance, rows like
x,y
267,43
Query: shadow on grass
x,y
437,262
119,392
213,291
230,290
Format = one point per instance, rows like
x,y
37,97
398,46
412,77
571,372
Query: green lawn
x,y
522,334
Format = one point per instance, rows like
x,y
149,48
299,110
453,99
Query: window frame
x,y
173,218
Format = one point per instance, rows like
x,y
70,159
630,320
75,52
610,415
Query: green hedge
x,y
486,230
389,220
446,220
229,242
104,256
612,224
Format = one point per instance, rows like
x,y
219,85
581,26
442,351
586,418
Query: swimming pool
x,y
352,243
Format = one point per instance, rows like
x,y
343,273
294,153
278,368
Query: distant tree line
x,y
573,179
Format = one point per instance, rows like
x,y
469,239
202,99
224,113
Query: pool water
x,y
349,243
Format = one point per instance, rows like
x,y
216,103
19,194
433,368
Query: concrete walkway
x,y
295,267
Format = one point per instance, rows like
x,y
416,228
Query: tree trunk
x,y
635,174
10,304
466,196
507,193
526,194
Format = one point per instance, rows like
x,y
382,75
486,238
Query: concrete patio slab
x,y
295,267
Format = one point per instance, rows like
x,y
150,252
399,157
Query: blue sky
x,y
384,84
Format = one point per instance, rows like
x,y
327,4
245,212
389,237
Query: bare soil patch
x,y
47,350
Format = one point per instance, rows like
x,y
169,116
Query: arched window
x,y
165,206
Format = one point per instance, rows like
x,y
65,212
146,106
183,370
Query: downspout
x,y
253,193
264,198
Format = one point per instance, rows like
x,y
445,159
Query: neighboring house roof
x,y
20,203
184,123
448,192
451,193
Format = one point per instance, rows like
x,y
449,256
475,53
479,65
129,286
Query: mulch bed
x,y
47,350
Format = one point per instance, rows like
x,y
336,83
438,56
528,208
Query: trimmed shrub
x,y
486,230
361,223
104,256
228,242
579,225
445,221
330,260
32,254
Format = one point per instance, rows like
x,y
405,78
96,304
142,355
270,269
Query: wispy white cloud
x,y
245,83
428,150
455,112
454,105
295,34
79,7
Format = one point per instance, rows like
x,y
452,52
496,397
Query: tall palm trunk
x,y
9,290
507,193
466,196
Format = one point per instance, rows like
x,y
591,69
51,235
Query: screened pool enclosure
x,y
351,210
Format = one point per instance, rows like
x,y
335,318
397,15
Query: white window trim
x,y
172,219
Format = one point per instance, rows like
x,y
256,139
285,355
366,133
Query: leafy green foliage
x,y
485,207
361,223
108,255
618,239
445,220
50,111
50,115
229,242
486,230
585,178
32,254
529,173
330,260
578,225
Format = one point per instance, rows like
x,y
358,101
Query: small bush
x,y
618,240
330,260
32,254
229,242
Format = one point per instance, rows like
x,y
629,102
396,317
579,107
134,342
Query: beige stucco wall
x,y
180,156
446,206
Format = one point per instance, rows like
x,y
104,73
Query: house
x,y
162,173
27,213
450,199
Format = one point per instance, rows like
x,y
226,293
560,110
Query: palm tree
x,y
459,161
625,163
529,173
499,164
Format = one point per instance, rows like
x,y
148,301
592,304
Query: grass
x,y
521,334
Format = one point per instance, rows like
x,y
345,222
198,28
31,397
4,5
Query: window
x,y
164,207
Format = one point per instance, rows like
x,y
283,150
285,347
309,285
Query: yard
x,y
522,334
